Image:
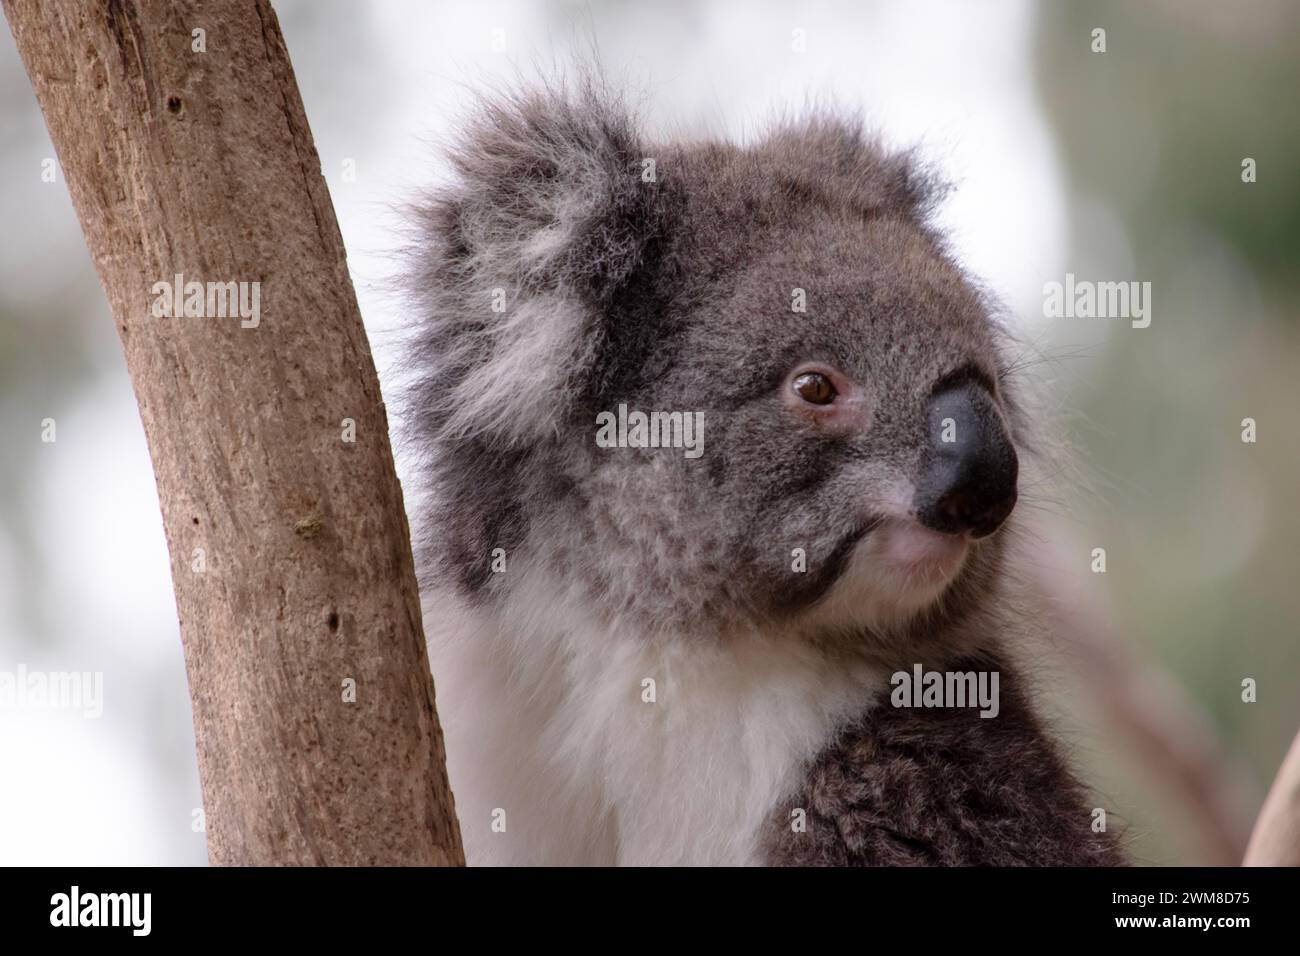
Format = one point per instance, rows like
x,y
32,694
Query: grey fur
x,y
675,295
942,787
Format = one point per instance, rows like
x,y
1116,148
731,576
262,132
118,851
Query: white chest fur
x,y
575,742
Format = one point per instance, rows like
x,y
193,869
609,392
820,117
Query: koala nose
x,y
968,471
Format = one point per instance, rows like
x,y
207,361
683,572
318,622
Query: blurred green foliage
x,y
1201,528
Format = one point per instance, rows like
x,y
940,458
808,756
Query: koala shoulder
x,y
942,787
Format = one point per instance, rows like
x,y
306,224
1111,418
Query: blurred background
x,y
1115,166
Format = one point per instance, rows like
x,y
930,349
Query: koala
x,y
646,655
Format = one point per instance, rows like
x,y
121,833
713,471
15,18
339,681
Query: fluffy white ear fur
x,y
533,346
539,224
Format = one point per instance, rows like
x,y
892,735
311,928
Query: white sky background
x,y
955,77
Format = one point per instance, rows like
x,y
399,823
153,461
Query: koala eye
x,y
815,388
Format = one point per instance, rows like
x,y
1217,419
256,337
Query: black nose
x,y
969,467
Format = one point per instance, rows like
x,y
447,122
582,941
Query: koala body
x,y
648,658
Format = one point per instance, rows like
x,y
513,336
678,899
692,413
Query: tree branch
x,y
290,552
1276,837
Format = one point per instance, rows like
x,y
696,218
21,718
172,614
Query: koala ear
x,y
519,258
833,151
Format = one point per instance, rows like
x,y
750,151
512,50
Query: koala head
x,y
858,462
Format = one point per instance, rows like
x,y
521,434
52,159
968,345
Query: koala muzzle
x,y
967,480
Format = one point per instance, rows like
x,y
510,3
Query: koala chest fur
x,y
580,746
651,653
604,747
